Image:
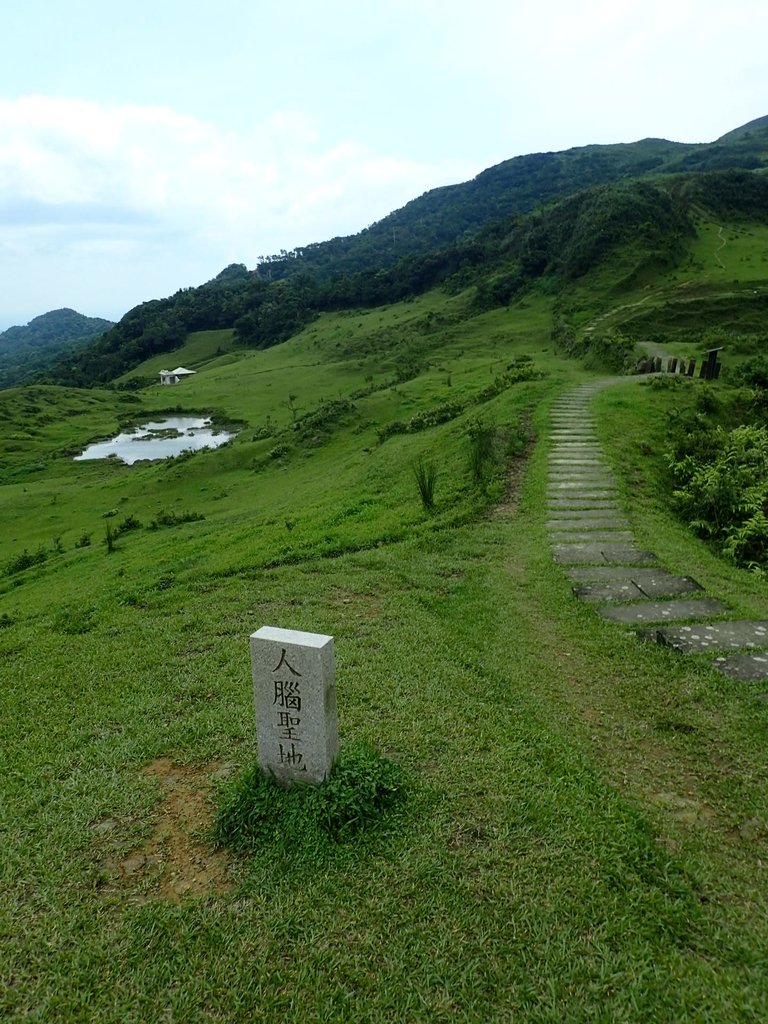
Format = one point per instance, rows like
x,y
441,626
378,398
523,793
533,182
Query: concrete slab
x,y
601,554
591,537
592,523
613,590
714,636
591,497
663,611
582,473
578,484
576,504
560,485
745,668
578,459
576,434
563,422
664,584
572,444
582,515
575,448
589,485
640,577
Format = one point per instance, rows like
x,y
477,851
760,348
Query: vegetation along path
x,y
593,542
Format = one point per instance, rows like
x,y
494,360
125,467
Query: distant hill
x,y
25,351
519,185
467,232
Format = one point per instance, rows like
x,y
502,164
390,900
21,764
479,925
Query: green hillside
x,y
583,816
631,232
519,185
26,351
413,249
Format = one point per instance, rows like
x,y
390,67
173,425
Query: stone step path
x,y
594,545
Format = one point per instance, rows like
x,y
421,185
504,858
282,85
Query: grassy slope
x,y
587,838
722,284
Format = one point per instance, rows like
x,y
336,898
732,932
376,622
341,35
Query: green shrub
x,y
25,561
255,810
126,525
165,518
753,373
722,491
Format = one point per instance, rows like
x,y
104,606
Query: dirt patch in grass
x,y
362,605
507,507
175,861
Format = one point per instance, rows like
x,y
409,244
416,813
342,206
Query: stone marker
x,y
294,689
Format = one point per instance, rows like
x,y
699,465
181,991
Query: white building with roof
x,y
174,376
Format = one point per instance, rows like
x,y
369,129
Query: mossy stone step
x,y
701,638
662,611
745,668
601,554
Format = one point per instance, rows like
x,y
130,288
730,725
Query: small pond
x,y
159,439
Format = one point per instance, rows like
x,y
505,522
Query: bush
x,y
254,809
126,525
753,373
722,491
25,561
175,519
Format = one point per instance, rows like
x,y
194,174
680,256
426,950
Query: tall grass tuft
x,y
425,472
482,437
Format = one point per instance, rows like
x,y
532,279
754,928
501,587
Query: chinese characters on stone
x,y
294,690
287,701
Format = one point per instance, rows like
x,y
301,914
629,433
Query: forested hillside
x,y
24,351
539,220
651,220
441,216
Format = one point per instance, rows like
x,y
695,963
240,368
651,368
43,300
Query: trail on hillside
x,y
723,243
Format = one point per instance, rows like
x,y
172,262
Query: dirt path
x,y
723,243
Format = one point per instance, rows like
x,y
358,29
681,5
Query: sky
x,y
144,146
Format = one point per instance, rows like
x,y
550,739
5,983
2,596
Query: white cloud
x,y
277,184
134,190
603,70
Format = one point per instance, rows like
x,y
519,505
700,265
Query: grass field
x,y
585,836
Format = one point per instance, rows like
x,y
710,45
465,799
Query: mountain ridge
x,y
413,248
27,350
